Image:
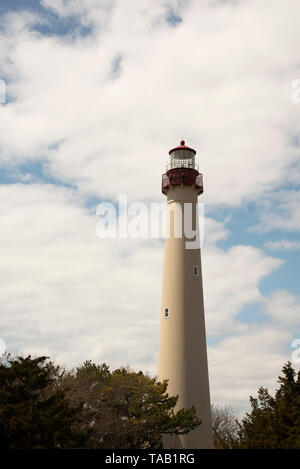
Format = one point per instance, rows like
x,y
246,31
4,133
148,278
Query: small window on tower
x,y
166,313
196,271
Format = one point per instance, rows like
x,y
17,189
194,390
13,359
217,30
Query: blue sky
x,y
97,94
52,23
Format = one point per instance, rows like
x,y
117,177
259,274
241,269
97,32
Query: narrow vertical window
x,y
196,271
166,313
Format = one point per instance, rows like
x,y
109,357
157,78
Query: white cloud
x,y
284,308
214,231
240,364
231,281
230,98
283,245
68,294
83,9
280,211
222,79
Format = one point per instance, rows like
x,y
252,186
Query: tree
x,y
34,413
125,409
44,406
225,427
274,422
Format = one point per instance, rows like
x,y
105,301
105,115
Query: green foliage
x,y
44,406
33,412
126,409
274,422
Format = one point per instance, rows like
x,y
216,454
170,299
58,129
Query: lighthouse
x,y
182,357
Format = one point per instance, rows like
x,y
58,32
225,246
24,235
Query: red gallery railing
x,y
184,176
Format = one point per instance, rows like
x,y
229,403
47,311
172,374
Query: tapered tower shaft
x,y
182,342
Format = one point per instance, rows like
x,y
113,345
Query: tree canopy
x,y
274,422
34,413
45,406
126,409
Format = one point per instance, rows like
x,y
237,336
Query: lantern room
x,y
182,157
182,169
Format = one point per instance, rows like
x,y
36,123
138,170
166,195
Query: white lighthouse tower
x,y
182,342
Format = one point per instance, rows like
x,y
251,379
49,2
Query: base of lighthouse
x,y
182,343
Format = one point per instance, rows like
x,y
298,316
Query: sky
x,y
97,92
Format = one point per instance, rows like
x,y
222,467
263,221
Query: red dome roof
x,y
182,146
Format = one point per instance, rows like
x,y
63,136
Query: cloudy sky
x,y
97,92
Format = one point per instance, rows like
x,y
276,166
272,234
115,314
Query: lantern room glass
x,y
182,159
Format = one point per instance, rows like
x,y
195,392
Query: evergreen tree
x,y
44,407
274,422
126,409
34,413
